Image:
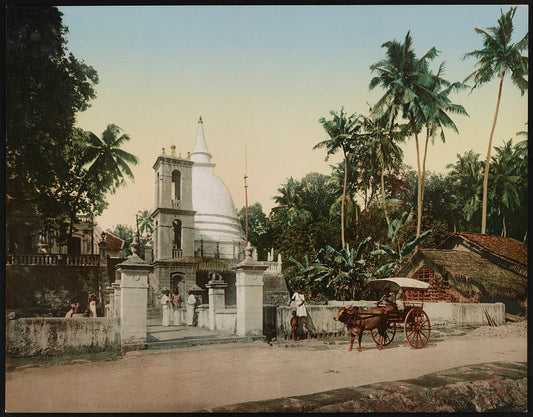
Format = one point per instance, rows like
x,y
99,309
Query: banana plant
x,y
343,270
397,254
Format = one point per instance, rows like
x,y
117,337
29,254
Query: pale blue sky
x,y
261,77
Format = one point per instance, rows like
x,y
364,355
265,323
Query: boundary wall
x,y
321,323
53,335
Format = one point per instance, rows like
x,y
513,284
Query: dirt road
x,y
209,376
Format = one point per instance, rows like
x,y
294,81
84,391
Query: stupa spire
x,y
200,152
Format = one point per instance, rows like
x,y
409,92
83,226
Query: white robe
x,y
92,308
301,311
166,310
191,304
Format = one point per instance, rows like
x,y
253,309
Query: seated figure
x,y
387,298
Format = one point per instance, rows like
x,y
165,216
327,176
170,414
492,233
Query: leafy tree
x,y
466,181
289,200
345,271
436,118
257,228
97,167
108,163
145,223
498,57
45,87
342,131
382,140
420,96
317,194
128,233
504,192
396,252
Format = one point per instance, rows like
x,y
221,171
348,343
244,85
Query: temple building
x,y
196,227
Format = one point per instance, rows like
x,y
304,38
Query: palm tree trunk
x,y
424,165
344,195
383,192
419,199
504,229
486,178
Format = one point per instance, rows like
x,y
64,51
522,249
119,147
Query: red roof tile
x,y
113,242
506,247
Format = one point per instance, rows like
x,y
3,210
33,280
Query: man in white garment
x,y
191,306
165,303
301,311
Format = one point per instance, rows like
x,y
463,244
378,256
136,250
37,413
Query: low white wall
x,y
54,335
202,313
320,317
462,314
225,320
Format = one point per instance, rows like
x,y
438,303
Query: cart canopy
x,y
394,284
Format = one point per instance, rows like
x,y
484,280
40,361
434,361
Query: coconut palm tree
x,y
504,191
342,131
406,80
466,181
498,57
290,201
145,222
436,117
108,163
382,140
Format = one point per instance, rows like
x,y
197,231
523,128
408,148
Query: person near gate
x,y
191,307
92,304
165,304
74,308
301,311
176,304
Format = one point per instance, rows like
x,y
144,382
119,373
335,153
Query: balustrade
x,y
53,259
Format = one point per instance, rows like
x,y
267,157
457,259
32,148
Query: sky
x,y
261,77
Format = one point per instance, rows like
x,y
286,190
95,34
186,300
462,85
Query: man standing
x,y
191,306
176,302
165,301
301,311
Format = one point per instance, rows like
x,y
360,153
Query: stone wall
x,y
47,290
55,336
225,320
320,317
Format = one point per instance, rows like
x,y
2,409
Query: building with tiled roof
x,y
470,267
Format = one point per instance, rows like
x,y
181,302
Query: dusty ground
x,y
210,376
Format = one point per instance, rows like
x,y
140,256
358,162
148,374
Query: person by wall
x,y
176,304
92,304
165,304
191,307
74,308
301,311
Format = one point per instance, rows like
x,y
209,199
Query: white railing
x,y
53,259
273,266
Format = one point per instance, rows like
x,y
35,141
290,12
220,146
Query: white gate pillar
x,y
217,299
249,286
133,297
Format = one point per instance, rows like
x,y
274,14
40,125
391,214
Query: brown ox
x,y
358,321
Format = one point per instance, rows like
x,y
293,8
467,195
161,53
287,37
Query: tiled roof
x,y
505,247
465,268
113,242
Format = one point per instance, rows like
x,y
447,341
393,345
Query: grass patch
x,y
111,355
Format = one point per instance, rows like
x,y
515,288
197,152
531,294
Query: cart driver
x,y
388,298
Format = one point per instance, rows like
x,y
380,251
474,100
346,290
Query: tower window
x,y
176,185
176,225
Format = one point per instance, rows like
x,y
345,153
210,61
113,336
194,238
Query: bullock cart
x,y
411,317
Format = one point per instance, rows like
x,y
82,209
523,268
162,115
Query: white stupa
x,y
216,224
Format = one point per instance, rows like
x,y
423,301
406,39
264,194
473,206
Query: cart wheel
x,y
417,328
390,331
